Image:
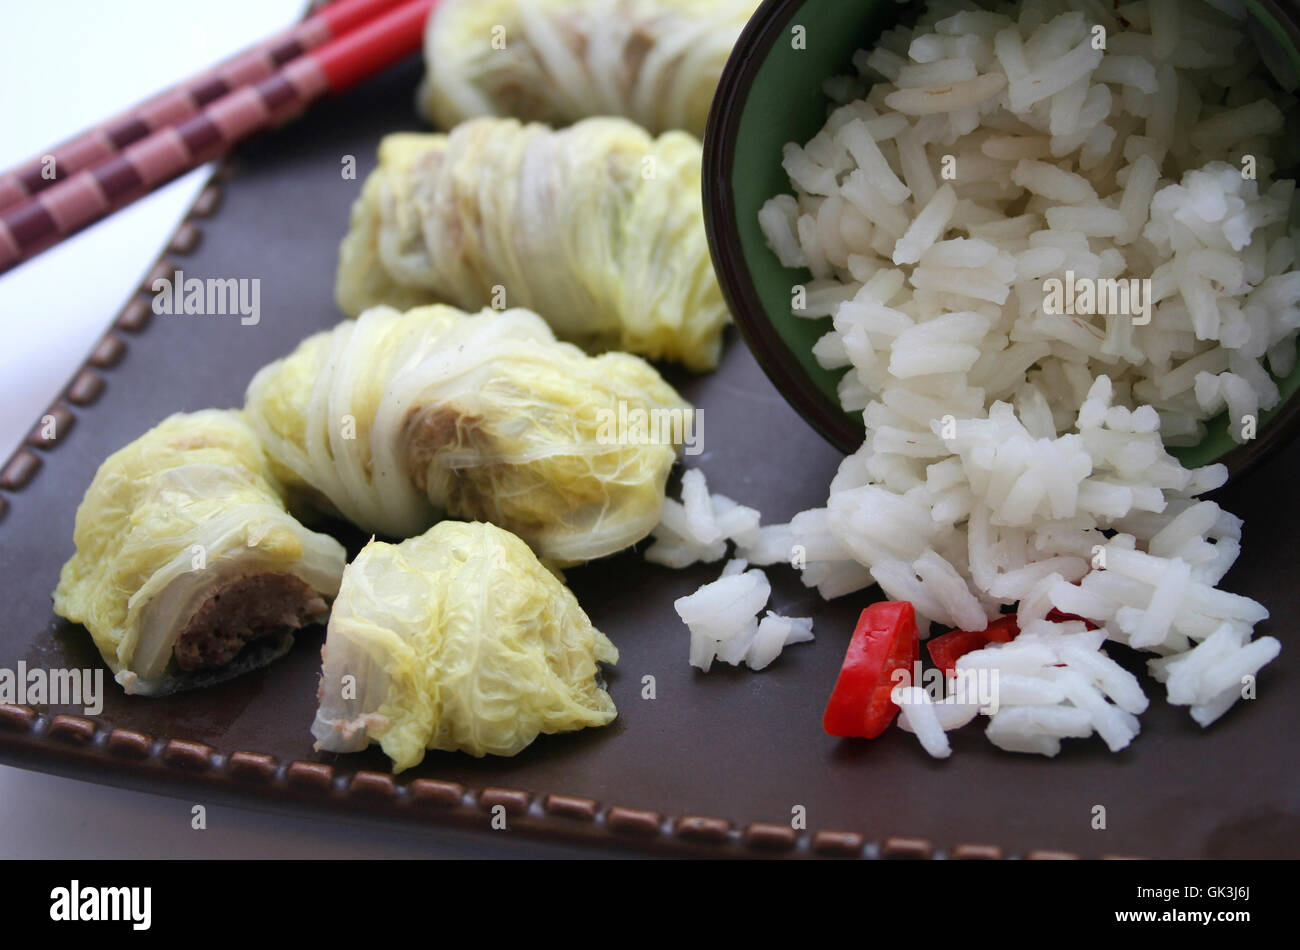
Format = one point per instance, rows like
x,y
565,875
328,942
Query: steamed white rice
x,y
722,616
1015,456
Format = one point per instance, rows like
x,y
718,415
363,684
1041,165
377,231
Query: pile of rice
x,y
1016,457
722,616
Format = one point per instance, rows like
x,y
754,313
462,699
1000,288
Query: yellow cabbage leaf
x,y
598,228
395,421
656,62
183,513
458,639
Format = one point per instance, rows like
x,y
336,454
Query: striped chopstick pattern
x,y
147,163
44,219
186,100
171,108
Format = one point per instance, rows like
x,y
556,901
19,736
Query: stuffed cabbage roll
x,y
395,421
556,61
458,640
188,568
598,228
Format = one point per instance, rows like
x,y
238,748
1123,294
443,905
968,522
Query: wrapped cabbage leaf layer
x,y
598,228
654,61
188,568
457,640
396,421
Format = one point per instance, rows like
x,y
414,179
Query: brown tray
x,y
716,764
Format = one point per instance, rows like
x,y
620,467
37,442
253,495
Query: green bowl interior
x,y
785,103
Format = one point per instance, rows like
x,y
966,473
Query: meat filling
x,y
242,610
455,488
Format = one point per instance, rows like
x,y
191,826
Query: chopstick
x,y
184,100
63,209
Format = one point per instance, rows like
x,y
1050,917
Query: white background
x,y
64,67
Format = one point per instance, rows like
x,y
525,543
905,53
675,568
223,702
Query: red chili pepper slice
x,y
884,640
1057,616
945,650
1003,630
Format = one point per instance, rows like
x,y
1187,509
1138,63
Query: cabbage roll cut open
x,y
598,228
456,640
188,568
396,421
654,61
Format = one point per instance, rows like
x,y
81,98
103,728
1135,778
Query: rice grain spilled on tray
x,y
1051,245
722,615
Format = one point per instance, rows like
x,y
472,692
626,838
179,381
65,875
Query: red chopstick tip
x,y
343,16
378,44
